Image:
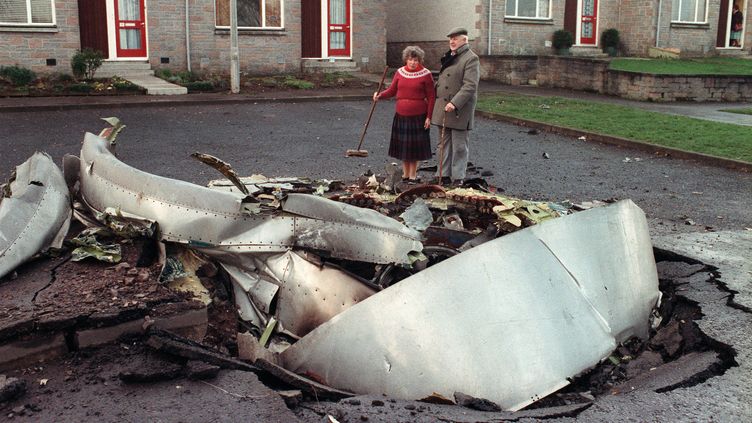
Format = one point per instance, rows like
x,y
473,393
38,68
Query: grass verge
x,y
699,66
700,136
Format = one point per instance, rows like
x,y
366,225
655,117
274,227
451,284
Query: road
x,y
309,139
699,211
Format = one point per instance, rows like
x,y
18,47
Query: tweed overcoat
x,y
458,84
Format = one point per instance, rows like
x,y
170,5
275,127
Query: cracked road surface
x,y
683,200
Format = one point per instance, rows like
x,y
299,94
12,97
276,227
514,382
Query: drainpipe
x,y
658,26
234,53
490,6
187,36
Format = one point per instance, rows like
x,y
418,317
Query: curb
x,y
181,102
623,142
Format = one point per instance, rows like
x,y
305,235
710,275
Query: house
x,y
275,36
525,27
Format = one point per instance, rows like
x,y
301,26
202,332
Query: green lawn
x,y
739,111
717,139
700,66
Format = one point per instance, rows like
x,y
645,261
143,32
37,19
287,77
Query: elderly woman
x,y
413,86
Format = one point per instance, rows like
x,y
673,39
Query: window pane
x,y
129,10
510,7
130,39
249,13
41,11
526,8
273,12
675,10
337,12
587,30
701,10
336,40
13,11
588,7
543,8
687,11
222,10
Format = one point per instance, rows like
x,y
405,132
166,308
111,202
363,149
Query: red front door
x,y
589,22
130,27
339,28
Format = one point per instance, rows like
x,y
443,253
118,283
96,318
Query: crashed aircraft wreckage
x,y
34,211
511,319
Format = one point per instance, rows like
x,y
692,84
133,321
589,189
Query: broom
x,y
364,153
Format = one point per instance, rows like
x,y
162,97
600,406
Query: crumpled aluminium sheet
x,y
509,320
214,222
301,294
37,214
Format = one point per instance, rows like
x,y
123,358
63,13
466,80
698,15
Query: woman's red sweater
x,y
414,90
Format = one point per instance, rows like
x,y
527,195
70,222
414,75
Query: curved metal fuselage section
x,y
259,251
37,214
214,220
509,320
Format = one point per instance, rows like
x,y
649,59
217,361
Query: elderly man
x,y
453,112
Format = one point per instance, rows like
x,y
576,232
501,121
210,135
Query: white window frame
x,y
537,11
28,22
679,8
263,18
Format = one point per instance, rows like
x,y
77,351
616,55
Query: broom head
x,y
356,153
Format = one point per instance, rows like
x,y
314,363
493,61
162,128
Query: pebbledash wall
x,y
261,51
587,74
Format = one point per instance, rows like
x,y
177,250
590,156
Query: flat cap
x,y
457,31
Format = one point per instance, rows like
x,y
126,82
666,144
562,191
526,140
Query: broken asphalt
x,y
711,264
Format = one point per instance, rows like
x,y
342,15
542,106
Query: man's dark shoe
x,y
445,180
457,183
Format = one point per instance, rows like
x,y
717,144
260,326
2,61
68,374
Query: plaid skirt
x,y
410,141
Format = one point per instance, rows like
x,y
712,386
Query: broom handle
x,y
373,106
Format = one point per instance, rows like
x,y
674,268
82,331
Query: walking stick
x,y
441,147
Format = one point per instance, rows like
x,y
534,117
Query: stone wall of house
x,y
690,39
369,35
31,47
414,21
608,17
636,24
166,33
519,36
697,39
260,51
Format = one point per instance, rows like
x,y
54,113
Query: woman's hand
x,y
427,123
375,96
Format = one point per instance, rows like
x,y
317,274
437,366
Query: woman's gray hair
x,y
413,51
